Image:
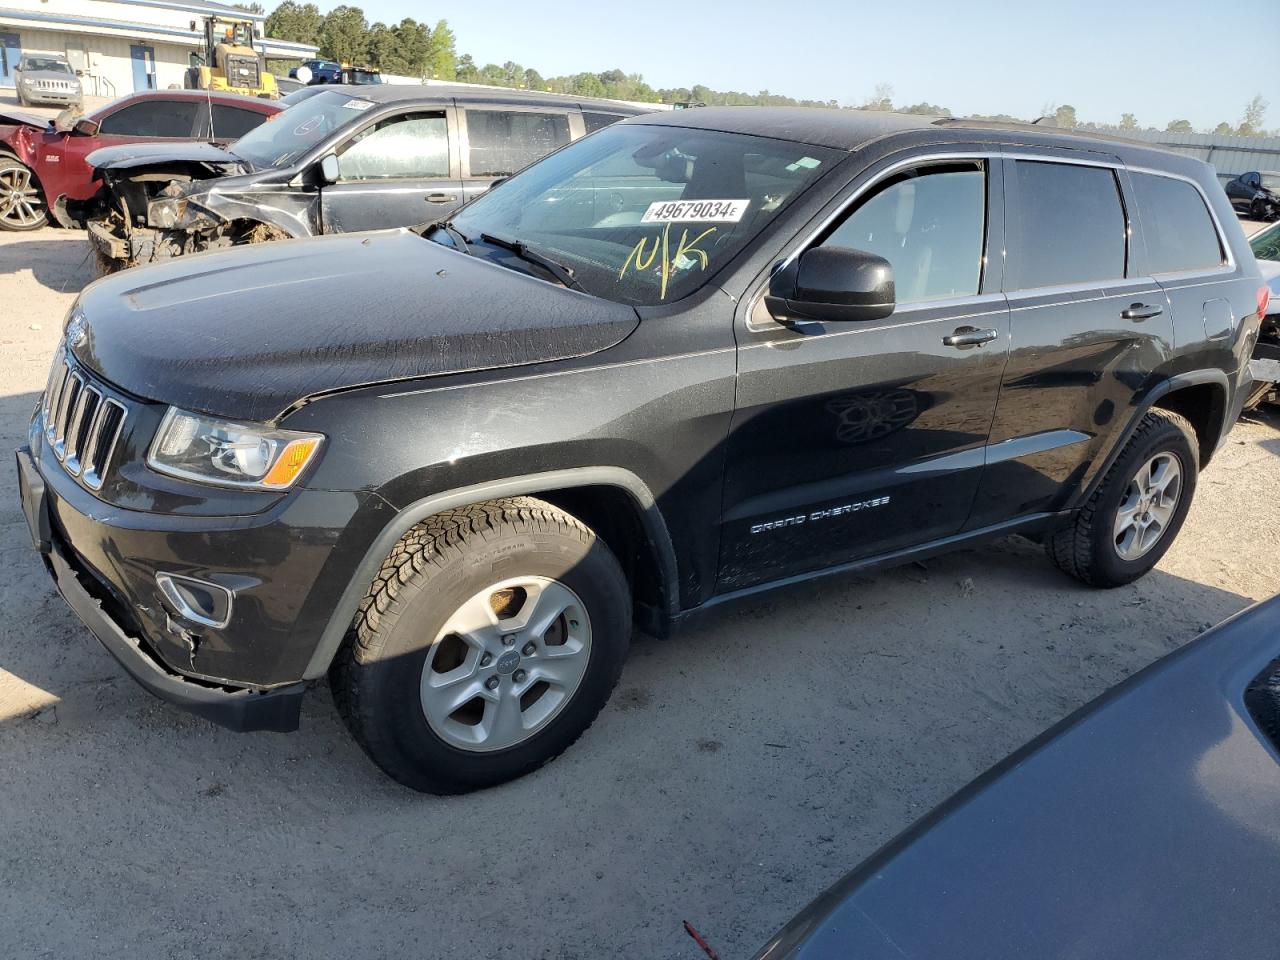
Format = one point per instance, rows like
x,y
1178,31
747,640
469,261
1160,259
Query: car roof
x,y
258,104
465,93
851,130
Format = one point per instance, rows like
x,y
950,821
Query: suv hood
x,y
130,156
246,333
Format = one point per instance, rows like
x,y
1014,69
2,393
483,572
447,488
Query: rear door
x,y
1186,255
1088,329
396,172
499,140
852,440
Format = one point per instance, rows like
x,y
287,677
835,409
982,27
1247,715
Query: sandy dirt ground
x,y
738,771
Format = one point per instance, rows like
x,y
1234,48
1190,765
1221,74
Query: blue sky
x,y
1160,61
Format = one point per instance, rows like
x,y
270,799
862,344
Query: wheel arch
x,y
1182,393
597,492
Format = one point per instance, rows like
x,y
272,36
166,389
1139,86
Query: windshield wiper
x,y
558,270
455,235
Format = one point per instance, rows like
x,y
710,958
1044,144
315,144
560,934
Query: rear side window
x,y
232,123
594,121
1179,232
930,225
1067,226
152,118
504,141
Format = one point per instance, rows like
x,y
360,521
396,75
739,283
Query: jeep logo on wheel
x,y
508,661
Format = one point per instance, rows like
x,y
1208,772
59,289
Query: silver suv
x,y
48,78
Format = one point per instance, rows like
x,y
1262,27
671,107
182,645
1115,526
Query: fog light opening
x,y
198,601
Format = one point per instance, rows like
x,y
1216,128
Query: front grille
x,y
81,423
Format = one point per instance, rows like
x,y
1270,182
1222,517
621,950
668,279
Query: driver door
x,y
398,172
858,439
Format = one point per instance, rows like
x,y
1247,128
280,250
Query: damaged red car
x,y
43,173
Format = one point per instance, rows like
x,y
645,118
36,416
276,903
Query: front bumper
x,y
68,97
240,709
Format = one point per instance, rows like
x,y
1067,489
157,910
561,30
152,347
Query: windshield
x,y
291,134
647,214
44,63
1266,243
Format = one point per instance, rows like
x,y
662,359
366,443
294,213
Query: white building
x,y
119,46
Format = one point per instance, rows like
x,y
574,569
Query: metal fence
x,y
1230,156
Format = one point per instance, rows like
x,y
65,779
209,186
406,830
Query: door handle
x,y
970,337
1141,311
440,198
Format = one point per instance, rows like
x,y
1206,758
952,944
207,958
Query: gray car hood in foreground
x,y
1144,827
245,333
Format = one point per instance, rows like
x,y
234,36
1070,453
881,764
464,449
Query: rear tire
x,y
22,205
450,639
1109,544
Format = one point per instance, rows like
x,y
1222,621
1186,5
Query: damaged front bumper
x,y
240,709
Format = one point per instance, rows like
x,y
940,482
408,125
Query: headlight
x,y
220,452
166,212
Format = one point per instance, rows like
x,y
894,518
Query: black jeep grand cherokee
x,y
682,360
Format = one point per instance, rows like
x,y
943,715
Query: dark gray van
x,y
348,158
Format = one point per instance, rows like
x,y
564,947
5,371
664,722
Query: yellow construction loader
x,y
230,61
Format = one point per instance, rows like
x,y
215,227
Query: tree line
x,y
429,52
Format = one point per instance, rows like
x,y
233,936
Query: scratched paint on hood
x,y
246,333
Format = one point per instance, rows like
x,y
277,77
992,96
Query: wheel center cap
x,y
508,662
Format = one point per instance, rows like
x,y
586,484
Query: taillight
x,y
1264,301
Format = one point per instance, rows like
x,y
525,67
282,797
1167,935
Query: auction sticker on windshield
x,y
696,211
354,104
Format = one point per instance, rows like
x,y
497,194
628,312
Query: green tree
x,y
442,60
882,99
1179,126
345,34
465,70
1128,121
1065,116
1255,111
296,22
250,7
533,80
380,48
1224,129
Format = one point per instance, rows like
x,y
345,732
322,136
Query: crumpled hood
x,y
247,332
129,156
22,119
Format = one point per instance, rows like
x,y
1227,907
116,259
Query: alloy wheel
x,y
1148,506
505,663
20,204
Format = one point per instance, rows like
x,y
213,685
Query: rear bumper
x,y
237,708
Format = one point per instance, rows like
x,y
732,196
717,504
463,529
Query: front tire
x,y
21,204
488,643
1135,514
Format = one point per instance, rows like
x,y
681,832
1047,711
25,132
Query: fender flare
x,y
1193,378
651,517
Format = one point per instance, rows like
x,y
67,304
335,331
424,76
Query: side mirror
x,y
832,283
329,171
85,127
